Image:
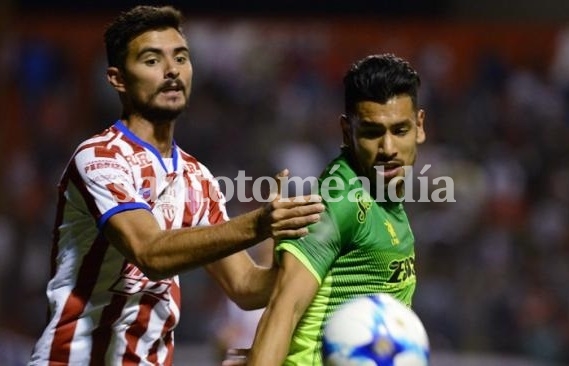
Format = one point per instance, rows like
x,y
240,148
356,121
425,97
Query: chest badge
x,y
364,204
392,233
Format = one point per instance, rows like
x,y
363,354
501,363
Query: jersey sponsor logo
x,y
402,270
106,178
104,164
141,159
364,203
391,230
132,281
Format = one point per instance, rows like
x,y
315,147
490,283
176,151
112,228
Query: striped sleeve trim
x,y
120,208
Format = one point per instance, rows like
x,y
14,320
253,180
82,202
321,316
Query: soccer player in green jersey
x,y
363,243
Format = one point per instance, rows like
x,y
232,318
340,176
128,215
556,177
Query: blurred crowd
x,y
492,266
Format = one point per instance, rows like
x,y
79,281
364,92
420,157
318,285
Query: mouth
x,y
172,88
171,92
388,169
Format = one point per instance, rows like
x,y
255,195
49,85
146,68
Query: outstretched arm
x,y
163,253
247,284
295,288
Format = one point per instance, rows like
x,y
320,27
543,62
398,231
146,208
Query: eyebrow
x,y
160,51
371,124
367,124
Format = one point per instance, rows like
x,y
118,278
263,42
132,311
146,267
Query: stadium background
x,y
492,266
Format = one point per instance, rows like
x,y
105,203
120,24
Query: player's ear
x,y
346,130
115,78
421,136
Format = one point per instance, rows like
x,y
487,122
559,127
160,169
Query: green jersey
x,y
358,247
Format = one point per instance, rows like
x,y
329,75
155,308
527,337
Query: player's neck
x,y
159,135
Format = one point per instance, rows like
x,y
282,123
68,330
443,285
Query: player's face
x,y
158,74
383,137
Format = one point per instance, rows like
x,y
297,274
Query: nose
x,y
172,71
387,146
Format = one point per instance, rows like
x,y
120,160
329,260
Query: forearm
x,y
294,290
272,339
170,252
164,253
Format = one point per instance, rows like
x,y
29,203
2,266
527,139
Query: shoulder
x,y
345,195
106,150
106,144
193,166
339,185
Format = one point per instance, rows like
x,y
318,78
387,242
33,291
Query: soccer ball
x,y
375,330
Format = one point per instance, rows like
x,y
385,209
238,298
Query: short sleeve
x,y
107,181
321,247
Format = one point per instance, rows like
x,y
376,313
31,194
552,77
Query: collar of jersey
x,y
128,133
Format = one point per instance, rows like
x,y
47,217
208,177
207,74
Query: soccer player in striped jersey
x,y
361,245
135,210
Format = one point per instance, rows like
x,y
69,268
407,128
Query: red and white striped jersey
x,y
103,309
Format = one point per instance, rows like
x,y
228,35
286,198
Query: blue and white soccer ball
x,y
375,330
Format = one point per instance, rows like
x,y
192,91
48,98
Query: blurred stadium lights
x,y
520,10
253,7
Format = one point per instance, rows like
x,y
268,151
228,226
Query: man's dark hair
x,y
377,78
132,23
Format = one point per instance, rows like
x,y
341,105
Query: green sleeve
x,y
319,249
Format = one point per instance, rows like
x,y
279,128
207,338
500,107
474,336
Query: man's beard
x,y
159,114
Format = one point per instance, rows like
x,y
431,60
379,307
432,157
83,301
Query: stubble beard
x,y
159,115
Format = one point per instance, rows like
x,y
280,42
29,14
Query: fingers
x,y
292,229
296,217
292,223
306,206
295,222
235,357
234,362
289,234
279,177
288,217
232,352
281,202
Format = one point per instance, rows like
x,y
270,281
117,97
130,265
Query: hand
x,y
288,217
236,357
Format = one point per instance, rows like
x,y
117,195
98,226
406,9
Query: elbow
x,y
250,297
153,272
245,300
151,266
247,289
248,305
